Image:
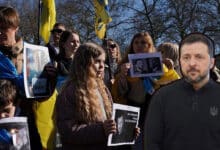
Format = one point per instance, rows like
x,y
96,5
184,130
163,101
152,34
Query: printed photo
x,y
126,118
14,134
145,64
35,59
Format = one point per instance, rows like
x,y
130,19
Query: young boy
x,y
8,98
8,102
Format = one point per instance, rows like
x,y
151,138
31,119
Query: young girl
x,y
84,105
170,51
68,45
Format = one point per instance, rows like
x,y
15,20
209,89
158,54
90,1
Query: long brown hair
x,y
85,84
118,51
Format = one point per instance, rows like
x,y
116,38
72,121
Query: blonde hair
x,y
118,59
85,84
169,50
147,38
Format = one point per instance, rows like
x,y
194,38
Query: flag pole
x,y
105,44
39,21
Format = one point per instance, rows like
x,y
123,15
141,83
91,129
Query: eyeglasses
x,y
112,46
57,31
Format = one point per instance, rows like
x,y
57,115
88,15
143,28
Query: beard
x,y
198,79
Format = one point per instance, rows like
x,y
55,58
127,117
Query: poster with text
x,y
35,59
126,118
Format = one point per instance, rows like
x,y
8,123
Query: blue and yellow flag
x,y
102,17
47,19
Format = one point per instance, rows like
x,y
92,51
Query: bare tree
x,y
164,20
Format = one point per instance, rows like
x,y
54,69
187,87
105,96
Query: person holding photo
x,y
9,107
84,105
137,91
11,67
11,62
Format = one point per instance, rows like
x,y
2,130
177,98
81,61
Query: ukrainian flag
x,y
47,19
102,17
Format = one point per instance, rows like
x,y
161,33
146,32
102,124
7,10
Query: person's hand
x,y
169,63
124,68
112,81
51,70
109,127
137,132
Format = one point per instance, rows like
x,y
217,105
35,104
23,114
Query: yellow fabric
x,y
168,76
102,17
47,19
44,113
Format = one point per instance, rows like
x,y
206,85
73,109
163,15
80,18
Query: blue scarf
x,y
8,71
148,85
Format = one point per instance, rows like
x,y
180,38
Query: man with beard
x,y
185,115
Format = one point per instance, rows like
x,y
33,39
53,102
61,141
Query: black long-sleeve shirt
x,y
181,118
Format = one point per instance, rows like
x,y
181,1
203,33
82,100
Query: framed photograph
x,y
126,118
145,64
35,59
14,134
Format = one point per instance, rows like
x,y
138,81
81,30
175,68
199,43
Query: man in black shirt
x,y
185,115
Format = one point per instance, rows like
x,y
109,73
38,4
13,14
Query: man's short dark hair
x,y
58,24
199,37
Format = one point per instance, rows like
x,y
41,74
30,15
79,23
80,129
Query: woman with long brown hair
x,y
84,105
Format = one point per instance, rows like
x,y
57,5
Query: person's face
x,y
56,33
120,123
196,62
112,49
139,64
72,44
7,111
140,45
7,35
99,65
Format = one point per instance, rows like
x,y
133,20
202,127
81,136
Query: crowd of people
x,y
178,109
